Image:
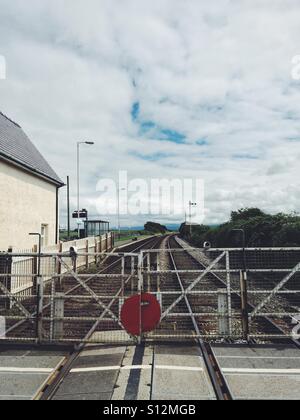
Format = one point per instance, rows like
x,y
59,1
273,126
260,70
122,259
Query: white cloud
x,y
218,70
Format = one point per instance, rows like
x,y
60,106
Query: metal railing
x,y
21,266
234,294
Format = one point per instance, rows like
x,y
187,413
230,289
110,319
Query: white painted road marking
x,y
259,357
138,367
267,371
186,368
24,370
104,368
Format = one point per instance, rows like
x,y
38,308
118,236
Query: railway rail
x,y
215,373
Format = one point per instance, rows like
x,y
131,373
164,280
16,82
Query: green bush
x,y
261,230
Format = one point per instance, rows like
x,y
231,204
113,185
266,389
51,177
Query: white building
x,y
28,191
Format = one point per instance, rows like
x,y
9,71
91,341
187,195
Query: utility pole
x,y
78,179
68,205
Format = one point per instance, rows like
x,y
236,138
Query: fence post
x,y
228,279
106,242
132,273
224,329
6,268
59,263
123,275
244,304
34,268
100,248
39,316
59,268
87,251
59,310
2,327
148,270
140,291
158,270
96,257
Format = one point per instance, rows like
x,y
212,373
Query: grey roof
x,y
16,147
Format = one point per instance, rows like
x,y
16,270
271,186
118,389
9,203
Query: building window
x,y
44,234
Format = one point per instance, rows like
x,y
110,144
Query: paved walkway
x,y
24,373
261,372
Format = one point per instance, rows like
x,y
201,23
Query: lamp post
x,y
90,143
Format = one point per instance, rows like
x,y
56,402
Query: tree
x,y
261,230
153,227
247,213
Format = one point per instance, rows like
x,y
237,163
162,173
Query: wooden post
x,y
106,242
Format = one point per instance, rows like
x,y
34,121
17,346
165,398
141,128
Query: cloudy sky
x,y
165,88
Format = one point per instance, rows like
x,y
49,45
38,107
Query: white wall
x,y
26,202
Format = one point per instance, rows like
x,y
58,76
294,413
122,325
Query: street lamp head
x,y
85,142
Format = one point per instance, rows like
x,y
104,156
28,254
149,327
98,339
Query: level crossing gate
x,y
212,294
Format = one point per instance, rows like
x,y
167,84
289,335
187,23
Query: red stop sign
x,y
140,313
